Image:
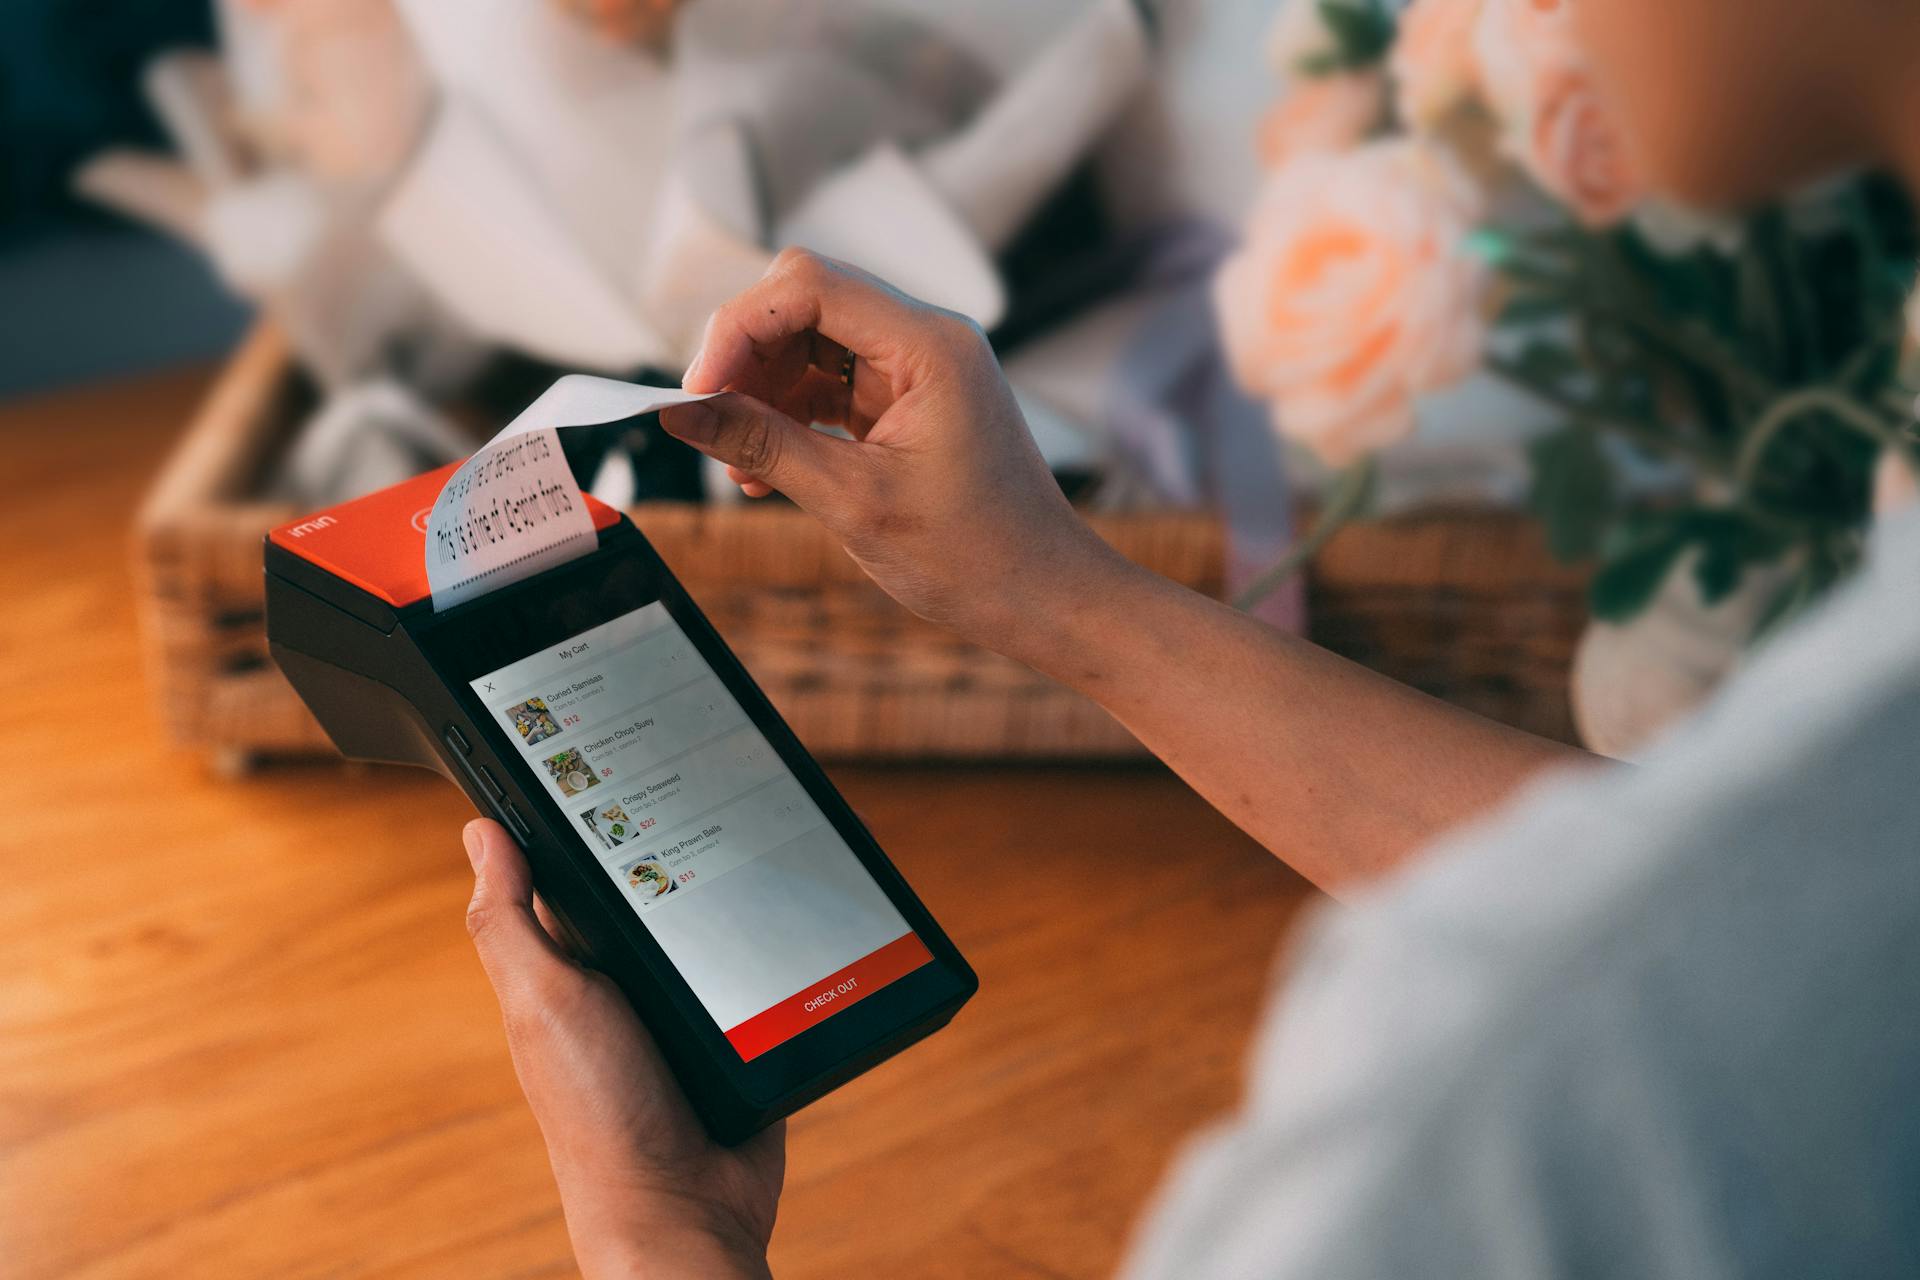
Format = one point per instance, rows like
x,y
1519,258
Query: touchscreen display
x,y
767,913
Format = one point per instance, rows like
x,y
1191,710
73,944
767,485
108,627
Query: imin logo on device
x,y
311,526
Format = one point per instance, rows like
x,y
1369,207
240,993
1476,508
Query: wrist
x,y
1073,605
666,1245
672,1255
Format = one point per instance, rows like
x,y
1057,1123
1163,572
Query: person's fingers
x,y
748,485
833,402
784,372
841,389
817,396
555,930
770,329
771,370
817,471
522,960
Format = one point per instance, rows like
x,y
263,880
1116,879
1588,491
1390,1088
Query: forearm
x,y
943,499
1338,770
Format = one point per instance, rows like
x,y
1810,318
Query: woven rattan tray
x,y
1464,604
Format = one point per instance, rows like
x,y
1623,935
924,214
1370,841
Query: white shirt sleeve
x,y
1650,1022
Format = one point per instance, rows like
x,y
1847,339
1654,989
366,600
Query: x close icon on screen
x,y
489,686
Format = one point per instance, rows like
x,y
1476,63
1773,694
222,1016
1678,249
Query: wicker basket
x,y
1465,605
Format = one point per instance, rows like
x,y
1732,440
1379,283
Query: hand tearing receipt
x,y
514,508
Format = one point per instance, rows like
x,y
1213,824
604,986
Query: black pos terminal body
x,y
680,834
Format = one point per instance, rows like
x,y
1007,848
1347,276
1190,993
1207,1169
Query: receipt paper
x,y
514,508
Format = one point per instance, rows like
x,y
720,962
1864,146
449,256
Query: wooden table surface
x,y
242,1032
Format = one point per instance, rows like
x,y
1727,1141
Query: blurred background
x,y
260,256
90,295
389,225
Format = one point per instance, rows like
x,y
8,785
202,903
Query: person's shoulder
x,y
1616,1000
1813,736
1781,810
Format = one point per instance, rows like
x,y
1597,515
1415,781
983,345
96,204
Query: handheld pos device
x,y
679,832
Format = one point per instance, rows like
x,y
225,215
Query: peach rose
x,y
1512,41
1572,149
1321,113
1433,63
1554,124
1351,296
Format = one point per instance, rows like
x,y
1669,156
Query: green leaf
x,y
1548,362
1362,28
1716,571
1530,308
1627,584
1574,491
1730,539
1727,541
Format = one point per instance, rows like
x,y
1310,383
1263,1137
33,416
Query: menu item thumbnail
x,y
570,772
648,878
532,721
609,824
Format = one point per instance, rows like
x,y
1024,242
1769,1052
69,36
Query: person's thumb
x,y
808,466
521,960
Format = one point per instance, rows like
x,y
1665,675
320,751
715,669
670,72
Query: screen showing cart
x,y
765,910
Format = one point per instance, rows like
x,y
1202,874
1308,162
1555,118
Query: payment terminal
x,y
686,842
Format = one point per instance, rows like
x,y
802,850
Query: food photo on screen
x,y
570,772
532,721
649,879
608,824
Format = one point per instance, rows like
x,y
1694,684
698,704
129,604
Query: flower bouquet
x,y
1447,195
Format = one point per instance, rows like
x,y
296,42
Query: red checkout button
x,y
798,1012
